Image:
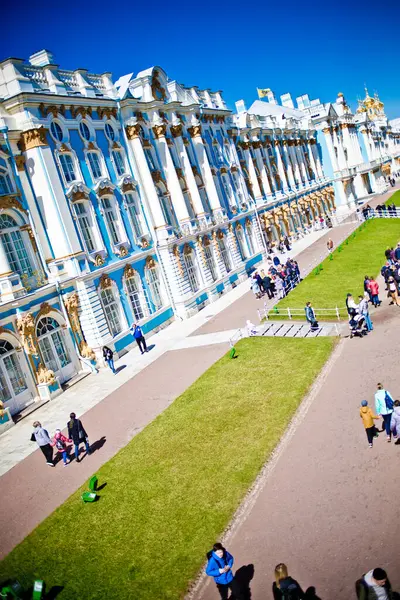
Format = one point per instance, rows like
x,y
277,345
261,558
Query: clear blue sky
x,y
319,48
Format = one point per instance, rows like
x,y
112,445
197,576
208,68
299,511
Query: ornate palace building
x,y
143,199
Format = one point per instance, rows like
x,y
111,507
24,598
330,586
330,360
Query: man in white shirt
x,y
374,585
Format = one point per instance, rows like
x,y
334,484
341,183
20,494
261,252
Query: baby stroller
x,y
357,325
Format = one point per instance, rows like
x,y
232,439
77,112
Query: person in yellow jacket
x,y
368,418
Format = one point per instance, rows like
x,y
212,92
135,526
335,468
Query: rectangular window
x,y
111,311
16,253
250,239
94,163
134,214
150,160
210,262
133,288
240,239
153,281
118,162
191,273
5,184
112,221
85,227
224,255
67,165
204,200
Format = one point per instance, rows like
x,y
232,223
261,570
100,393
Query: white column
x,y
301,162
331,150
280,165
351,154
144,175
252,172
317,158
261,167
304,162
50,194
295,163
289,168
168,166
5,268
311,159
341,158
356,144
269,168
187,167
367,144
195,134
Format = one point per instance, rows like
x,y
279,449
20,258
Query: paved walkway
x,y
328,506
30,491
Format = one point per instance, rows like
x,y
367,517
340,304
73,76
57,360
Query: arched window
x,y
189,260
135,215
153,281
111,310
12,380
112,220
134,291
68,167
5,184
209,258
119,162
85,224
94,164
14,246
52,345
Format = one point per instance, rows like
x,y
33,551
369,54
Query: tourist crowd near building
x,y
143,199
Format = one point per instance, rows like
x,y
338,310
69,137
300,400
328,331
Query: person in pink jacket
x,y
373,288
60,442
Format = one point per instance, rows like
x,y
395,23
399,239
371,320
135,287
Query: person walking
x,y
43,440
384,407
77,433
310,316
284,586
329,245
219,566
374,585
139,337
374,289
108,356
393,293
395,422
279,286
368,418
266,280
255,288
364,310
60,442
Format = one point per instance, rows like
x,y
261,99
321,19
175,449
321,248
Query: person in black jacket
x,y
284,586
374,584
108,357
77,433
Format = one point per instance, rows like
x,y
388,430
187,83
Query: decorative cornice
x,y
52,109
33,138
106,111
132,131
79,195
326,130
84,111
105,281
105,191
256,144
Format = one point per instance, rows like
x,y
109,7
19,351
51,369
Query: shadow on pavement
x,y
98,444
243,576
311,594
120,368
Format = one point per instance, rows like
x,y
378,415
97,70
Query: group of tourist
x,y
386,210
76,435
386,409
391,273
278,281
374,585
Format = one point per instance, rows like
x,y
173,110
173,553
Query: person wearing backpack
x,y
60,442
77,433
219,566
284,586
395,422
384,407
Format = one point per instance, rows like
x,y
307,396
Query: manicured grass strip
x,y
394,199
173,489
361,254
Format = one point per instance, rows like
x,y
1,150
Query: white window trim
x,y
123,157
122,319
77,169
97,238
121,228
192,272
142,221
103,166
160,281
6,171
214,262
143,299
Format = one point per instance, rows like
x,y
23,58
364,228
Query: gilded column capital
x,y
256,144
344,126
132,131
159,131
33,138
176,131
326,130
27,331
276,142
284,142
195,131
20,162
11,202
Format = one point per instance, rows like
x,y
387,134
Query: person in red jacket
x,y
374,290
60,442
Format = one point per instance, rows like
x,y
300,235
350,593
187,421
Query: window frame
x,y
154,285
113,209
95,153
192,276
224,253
136,220
140,301
119,152
71,156
115,307
80,217
12,252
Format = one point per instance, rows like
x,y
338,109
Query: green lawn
x,y
173,489
363,255
394,198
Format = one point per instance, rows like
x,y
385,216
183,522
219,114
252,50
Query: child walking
x,y
368,418
60,442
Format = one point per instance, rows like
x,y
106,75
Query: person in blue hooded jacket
x,y
219,566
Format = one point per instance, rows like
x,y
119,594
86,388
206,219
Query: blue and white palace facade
x,y
143,200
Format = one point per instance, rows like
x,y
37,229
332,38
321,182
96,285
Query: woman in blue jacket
x,y
219,566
